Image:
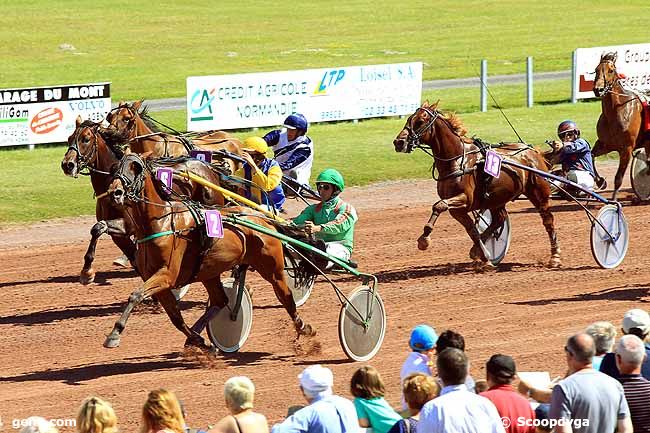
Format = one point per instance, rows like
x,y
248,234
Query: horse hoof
x,y
112,342
423,243
554,263
87,277
307,330
474,253
481,266
122,261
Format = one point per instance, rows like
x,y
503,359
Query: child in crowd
x,y
418,389
422,343
96,416
372,410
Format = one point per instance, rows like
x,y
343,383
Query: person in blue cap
x,y
293,149
423,345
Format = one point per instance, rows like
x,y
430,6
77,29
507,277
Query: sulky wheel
x,y
362,324
299,279
496,245
609,251
225,333
640,175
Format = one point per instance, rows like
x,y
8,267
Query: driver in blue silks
x,y
574,153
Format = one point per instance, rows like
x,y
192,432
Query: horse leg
x,y
158,282
169,303
115,228
476,253
271,268
424,241
599,149
542,203
624,159
218,300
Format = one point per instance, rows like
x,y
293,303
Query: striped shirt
x,y
637,394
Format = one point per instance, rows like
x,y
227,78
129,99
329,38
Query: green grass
x,y
147,49
34,188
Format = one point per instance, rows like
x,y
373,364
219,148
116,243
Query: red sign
x,y
46,120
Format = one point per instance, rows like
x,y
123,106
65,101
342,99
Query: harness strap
x,y
154,236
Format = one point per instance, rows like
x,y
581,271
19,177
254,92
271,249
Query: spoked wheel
x,y
226,333
640,175
362,324
498,243
299,279
608,251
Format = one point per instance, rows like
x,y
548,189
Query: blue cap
x,y
423,337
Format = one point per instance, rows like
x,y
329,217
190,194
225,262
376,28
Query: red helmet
x,y
567,126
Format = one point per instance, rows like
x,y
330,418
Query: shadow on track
x,y
634,292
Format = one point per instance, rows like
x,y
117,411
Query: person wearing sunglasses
x,y
332,220
263,175
574,153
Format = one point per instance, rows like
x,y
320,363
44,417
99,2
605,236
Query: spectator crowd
x,y
606,389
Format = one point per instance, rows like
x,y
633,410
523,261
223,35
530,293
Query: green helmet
x,y
331,176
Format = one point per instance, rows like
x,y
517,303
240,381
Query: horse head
x,y
606,75
128,179
419,127
82,148
123,119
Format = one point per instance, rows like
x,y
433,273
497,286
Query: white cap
x,y
316,378
636,318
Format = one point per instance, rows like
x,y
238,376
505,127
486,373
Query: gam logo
x,y
201,105
329,80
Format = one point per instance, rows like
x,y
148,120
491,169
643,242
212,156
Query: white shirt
x,y
416,362
459,411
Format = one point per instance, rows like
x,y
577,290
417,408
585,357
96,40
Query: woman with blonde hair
x,y
239,393
96,416
162,413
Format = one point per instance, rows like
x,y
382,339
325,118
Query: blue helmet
x,y
296,121
567,126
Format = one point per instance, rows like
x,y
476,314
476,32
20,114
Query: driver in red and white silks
x,y
292,148
575,155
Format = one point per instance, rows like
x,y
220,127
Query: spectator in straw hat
x,y
635,322
500,372
326,412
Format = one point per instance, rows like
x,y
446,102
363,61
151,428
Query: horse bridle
x,y
413,138
130,123
133,183
609,85
83,161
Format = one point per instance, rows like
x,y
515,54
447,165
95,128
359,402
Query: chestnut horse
x,y
127,121
619,125
174,251
462,185
87,149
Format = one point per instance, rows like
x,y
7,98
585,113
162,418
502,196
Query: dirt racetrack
x,y
52,328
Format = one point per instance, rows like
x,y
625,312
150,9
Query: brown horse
x,y
464,188
87,149
619,124
128,123
181,253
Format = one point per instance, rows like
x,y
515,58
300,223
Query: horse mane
x,y
611,56
452,120
143,112
88,124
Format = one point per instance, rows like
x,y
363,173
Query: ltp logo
x,y
201,105
329,80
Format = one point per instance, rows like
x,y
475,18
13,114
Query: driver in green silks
x,y
332,220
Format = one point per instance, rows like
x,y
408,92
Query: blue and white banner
x,y
47,114
328,94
